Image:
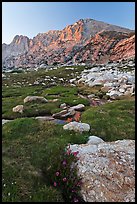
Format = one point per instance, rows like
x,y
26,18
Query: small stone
x,y
121,90
77,127
94,140
18,109
63,106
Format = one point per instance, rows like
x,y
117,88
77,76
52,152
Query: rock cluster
x,y
68,112
116,79
107,170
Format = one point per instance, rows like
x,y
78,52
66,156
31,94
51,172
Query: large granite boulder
x,y
107,170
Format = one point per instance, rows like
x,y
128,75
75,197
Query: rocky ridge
x,y
87,41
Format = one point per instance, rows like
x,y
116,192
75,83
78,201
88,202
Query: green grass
x,y
64,94
28,147
13,95
31,147
19,91
86,90
31,76
112,121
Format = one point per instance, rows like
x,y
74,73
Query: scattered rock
x,y
35,98
36,83
63,114
121,90
63,106
113,79
5,121
91,96
54,100
3,75
79,107
94,140
18,109
44,118
77,127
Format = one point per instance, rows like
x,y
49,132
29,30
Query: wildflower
x,y
75,200
75,153
68,152
64,162
57,173
55,184
9,194
73,190
4,184
79,183
64,179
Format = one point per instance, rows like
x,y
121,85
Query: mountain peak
x,y
64,45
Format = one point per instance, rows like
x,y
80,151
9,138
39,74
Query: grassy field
x,y
16,87
29,147
32,151
112,121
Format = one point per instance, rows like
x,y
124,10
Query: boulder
x,y
79,107
94,140
91,96
35,98
121,90
63,106
18,109
55,100
63,114
77,127
44,118
107,170
114,94
5,121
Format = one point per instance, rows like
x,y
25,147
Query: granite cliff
x,y
87,41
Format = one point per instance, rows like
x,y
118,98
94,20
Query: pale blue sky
x,y
31,18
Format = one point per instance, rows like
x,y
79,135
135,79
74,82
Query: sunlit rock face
x,y
87,41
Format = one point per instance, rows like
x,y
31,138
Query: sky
x,y
31,18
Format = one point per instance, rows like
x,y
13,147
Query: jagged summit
x,y
66,45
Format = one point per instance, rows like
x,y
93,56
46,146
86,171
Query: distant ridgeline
x,y
86,41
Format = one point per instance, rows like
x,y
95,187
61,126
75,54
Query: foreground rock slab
x,y
77,127
107,170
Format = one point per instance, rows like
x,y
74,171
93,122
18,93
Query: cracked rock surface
x,y
107,170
